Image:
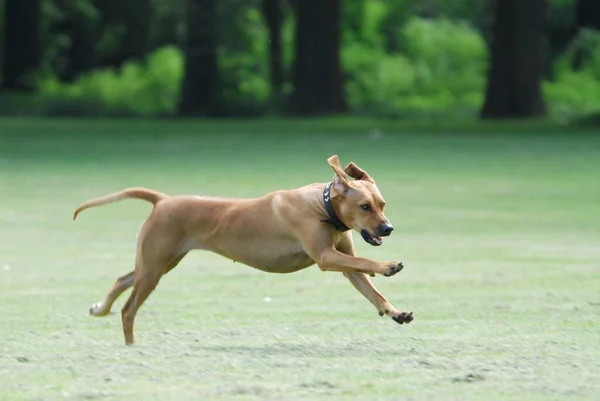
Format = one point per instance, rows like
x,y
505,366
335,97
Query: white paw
x,y
97,309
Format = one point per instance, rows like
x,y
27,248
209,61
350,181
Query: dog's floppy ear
x,y
358,173
340,182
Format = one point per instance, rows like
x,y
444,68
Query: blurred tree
x,y
129,24
201,83
73,30
273,14
353,16
560,29
87,34
168,23
22,44
587,16
517,60
316,76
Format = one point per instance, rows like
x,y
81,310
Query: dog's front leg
x,y
319,241
319,245
334,260
363,284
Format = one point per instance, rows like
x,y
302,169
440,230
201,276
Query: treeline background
x,y
250,58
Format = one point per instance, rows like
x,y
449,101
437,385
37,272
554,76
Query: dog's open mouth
x,y
371,239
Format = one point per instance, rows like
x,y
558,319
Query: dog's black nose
x,y
385,229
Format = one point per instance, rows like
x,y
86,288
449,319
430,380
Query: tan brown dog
x,y
281,232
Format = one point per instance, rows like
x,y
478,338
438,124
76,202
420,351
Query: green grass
x,y
498,226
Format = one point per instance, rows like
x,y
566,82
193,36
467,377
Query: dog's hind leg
x,y
123,283
150,267
144,284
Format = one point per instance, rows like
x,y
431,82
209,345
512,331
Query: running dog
x,y
281,232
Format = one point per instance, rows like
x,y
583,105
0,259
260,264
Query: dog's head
x,y
359,202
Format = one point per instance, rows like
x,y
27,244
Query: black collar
x,y
333,219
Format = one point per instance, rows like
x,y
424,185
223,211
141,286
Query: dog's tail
x,y
138,193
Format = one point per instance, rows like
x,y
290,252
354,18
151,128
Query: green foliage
x,y
137,88
153,86
372,19
443,67
244,56
66,25
244,62
576,91
400,58
447,55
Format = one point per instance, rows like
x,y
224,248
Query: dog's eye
x,y
365,206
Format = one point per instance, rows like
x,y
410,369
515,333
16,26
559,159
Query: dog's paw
x,y
393,269
98,309
403,317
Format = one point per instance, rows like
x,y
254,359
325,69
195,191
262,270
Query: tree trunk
x,y
517,61
273,14
22,44
587,16
317,77
200,87
83,33
133,19
587,13
124,24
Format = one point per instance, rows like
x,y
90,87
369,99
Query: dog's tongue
x,y
378,240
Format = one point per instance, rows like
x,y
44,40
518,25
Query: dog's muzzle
x,y
383,230
371,239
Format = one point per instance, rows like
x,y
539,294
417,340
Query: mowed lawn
x,y
498,228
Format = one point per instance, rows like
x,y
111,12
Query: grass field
x,y
498,228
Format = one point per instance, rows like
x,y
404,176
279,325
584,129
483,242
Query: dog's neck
x,y
333,219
